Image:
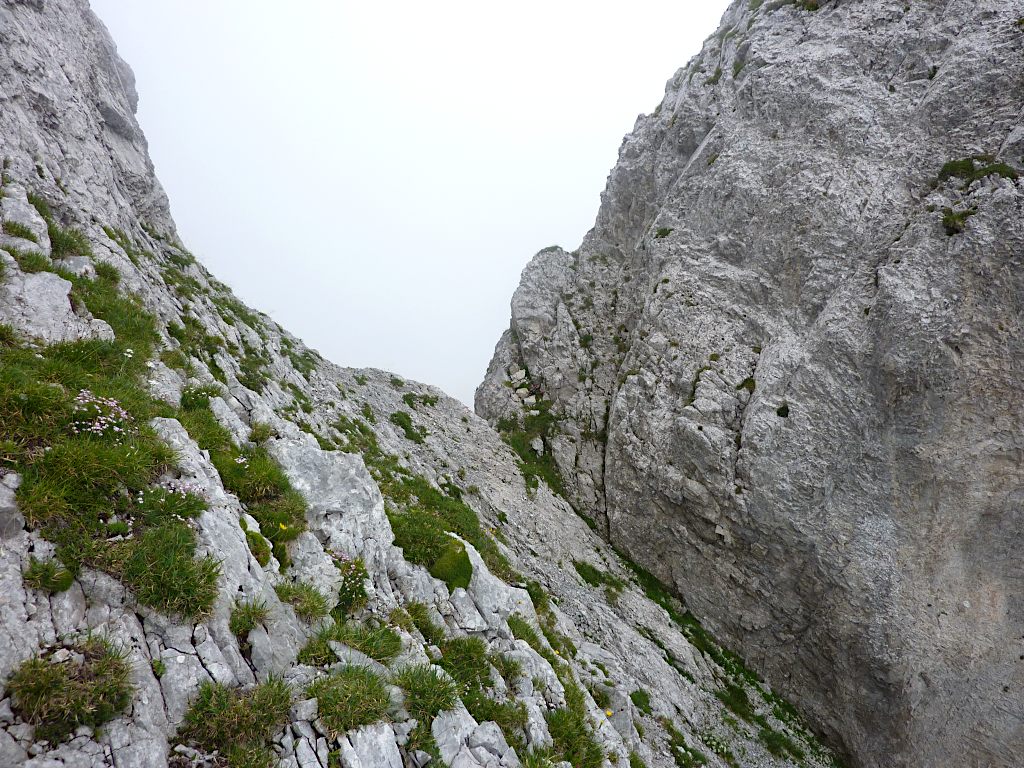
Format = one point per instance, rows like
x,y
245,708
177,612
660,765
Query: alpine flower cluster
x,y
99,416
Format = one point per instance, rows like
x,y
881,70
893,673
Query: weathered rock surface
x,y
788,386
68,136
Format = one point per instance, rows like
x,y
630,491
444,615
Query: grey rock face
x,y
69,123
787,390
38,305
370,747
11,520
68,135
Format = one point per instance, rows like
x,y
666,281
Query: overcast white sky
x,y
376,175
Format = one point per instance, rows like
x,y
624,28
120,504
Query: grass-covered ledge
x,y
76,427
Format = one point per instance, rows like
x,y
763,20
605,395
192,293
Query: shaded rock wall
x,y
787,360
641,679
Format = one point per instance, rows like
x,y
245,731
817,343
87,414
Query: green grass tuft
x,y
465,659
30,261
641,700
453,567
685,756
954,222
67,242
414,401
411,431
535,468
245,616
238,724
253,476
93,468
595,577
972,169
412,494
433,633
522,630
734,697
17,229
164,573
309,603
39,203
509,668
352,592
48,576
424,540
574,740
748,384
58,697
194,398
351,697
510,715
107,272
779,744
259,547
260,432
428,690
380,644
174,358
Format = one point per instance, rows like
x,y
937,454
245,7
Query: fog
x,y
375,176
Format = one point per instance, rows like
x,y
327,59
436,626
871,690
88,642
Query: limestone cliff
x,y
217,548
782,371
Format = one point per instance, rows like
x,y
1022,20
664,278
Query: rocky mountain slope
x,y
782,371
217,548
